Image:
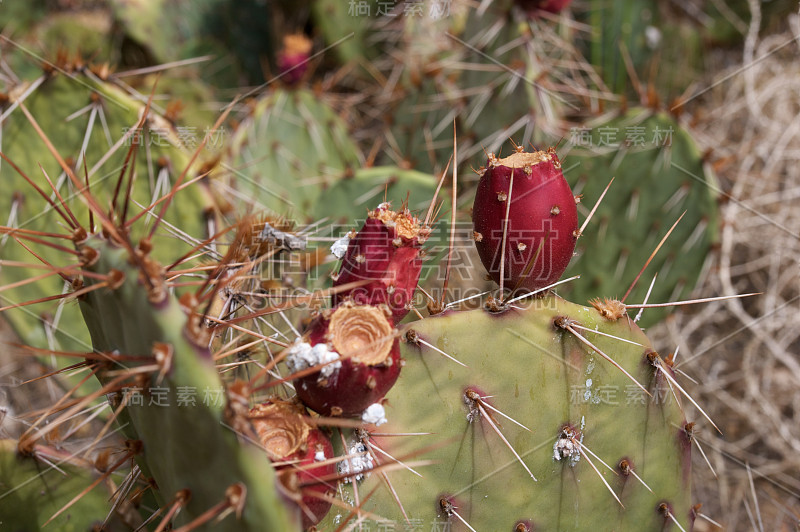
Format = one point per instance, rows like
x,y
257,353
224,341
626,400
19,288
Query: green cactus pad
x,y
31,492
459,68
287,151
351,196
620,25
658,174
83,118
543,377
238,33
182,414
348,26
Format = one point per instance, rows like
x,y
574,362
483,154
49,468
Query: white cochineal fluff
x,y
374,414
339,248
303,355
567,447
357,463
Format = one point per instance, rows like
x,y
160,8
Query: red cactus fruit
x,y
386,253
293,58
362,353
542,220
295,446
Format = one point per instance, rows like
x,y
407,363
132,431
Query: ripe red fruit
x,y
542,219
293,58
295,446
386,253
363,355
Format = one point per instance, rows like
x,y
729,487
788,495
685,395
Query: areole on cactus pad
x,y
525,220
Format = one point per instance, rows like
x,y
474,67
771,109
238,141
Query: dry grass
x,y
745,354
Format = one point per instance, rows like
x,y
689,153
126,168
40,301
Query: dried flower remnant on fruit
x,y
280,427
300,452
303,355
521,160
293,57
369,352
404,224
361,333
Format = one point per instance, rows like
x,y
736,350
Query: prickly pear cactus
x,y
348,27
352,195
92,124
621,28
238,33
454,66
32,491
287,151
529,427
157,353
524,219
659,174
347,203
486,67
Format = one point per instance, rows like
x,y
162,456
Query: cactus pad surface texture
x,y
528,399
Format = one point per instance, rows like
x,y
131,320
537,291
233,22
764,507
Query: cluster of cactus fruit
x,y
513,393
527,413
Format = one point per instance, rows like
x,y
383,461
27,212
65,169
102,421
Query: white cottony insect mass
x,y
339,248
374,414
302,355
358,461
